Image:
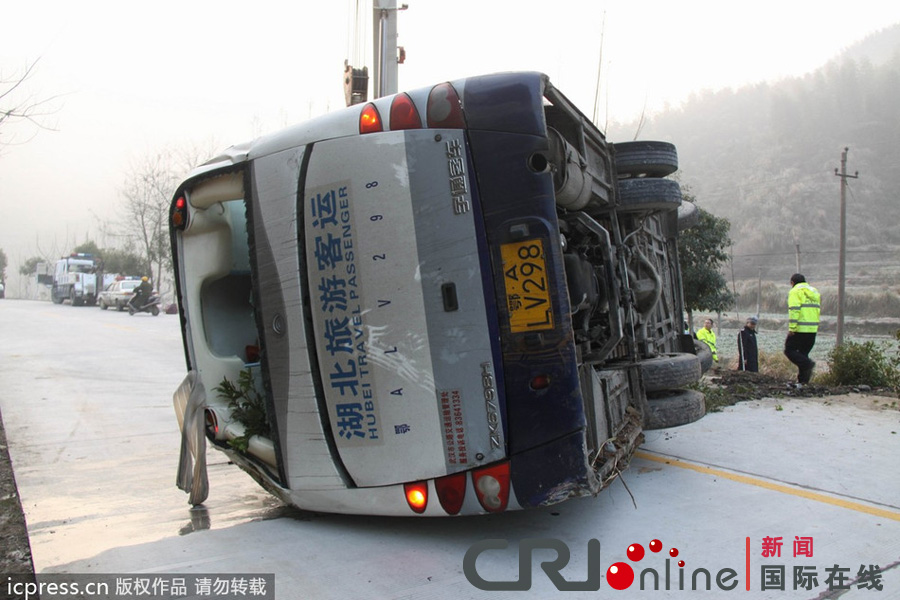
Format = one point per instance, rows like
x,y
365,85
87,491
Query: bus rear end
x,y
439,314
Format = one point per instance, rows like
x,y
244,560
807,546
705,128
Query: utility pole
x,y
387,55
385,46
758,290
843,253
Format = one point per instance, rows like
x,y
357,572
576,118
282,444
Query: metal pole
x,y
385,47
380,15
842,264
758,290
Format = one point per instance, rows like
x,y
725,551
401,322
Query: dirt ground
x,y
722,388
15,551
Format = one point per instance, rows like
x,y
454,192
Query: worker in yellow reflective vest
x,y
804,304
708,336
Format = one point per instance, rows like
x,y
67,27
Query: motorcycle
x,y
150,305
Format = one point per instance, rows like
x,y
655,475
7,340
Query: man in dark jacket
x,y
141,293
748,354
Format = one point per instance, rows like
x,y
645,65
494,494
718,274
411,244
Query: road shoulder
x,y
15,550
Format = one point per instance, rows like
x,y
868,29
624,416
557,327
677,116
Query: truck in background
x,y
76,278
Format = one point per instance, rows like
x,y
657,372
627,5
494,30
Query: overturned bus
x,y
456,300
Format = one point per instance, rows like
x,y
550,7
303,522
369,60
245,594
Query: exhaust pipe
x,y
221,427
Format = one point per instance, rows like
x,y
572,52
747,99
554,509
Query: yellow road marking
x,y
775,487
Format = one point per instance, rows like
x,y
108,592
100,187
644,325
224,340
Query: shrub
x,y
247,406
867,363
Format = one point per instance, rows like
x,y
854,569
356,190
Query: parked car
x,y
118,293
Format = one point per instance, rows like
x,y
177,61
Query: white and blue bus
x,y
457,300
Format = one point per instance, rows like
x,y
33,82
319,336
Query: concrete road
x,y
86,400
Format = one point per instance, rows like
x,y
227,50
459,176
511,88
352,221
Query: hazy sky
x,y
137,78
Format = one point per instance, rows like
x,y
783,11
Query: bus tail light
x,y
492,486
416,495
370,120
444,108
180,213
539,382
404,114
451,491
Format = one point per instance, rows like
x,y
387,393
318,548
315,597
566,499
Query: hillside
x,y
764,157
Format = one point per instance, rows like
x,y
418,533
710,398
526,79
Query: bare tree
x,y
17,104
148,192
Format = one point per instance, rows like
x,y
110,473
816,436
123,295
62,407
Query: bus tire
x,y
704,354
648,195
645,159
670,371
673,408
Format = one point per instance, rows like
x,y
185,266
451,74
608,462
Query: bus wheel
x,y
646,195
704,354
672,408
645,159
670,371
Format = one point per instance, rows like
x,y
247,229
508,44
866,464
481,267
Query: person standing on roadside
x,y
748,353
804,305
708,336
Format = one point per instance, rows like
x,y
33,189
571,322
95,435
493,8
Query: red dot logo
x,y
635,552
619,576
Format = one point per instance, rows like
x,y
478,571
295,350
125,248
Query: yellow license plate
x,y
527,286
